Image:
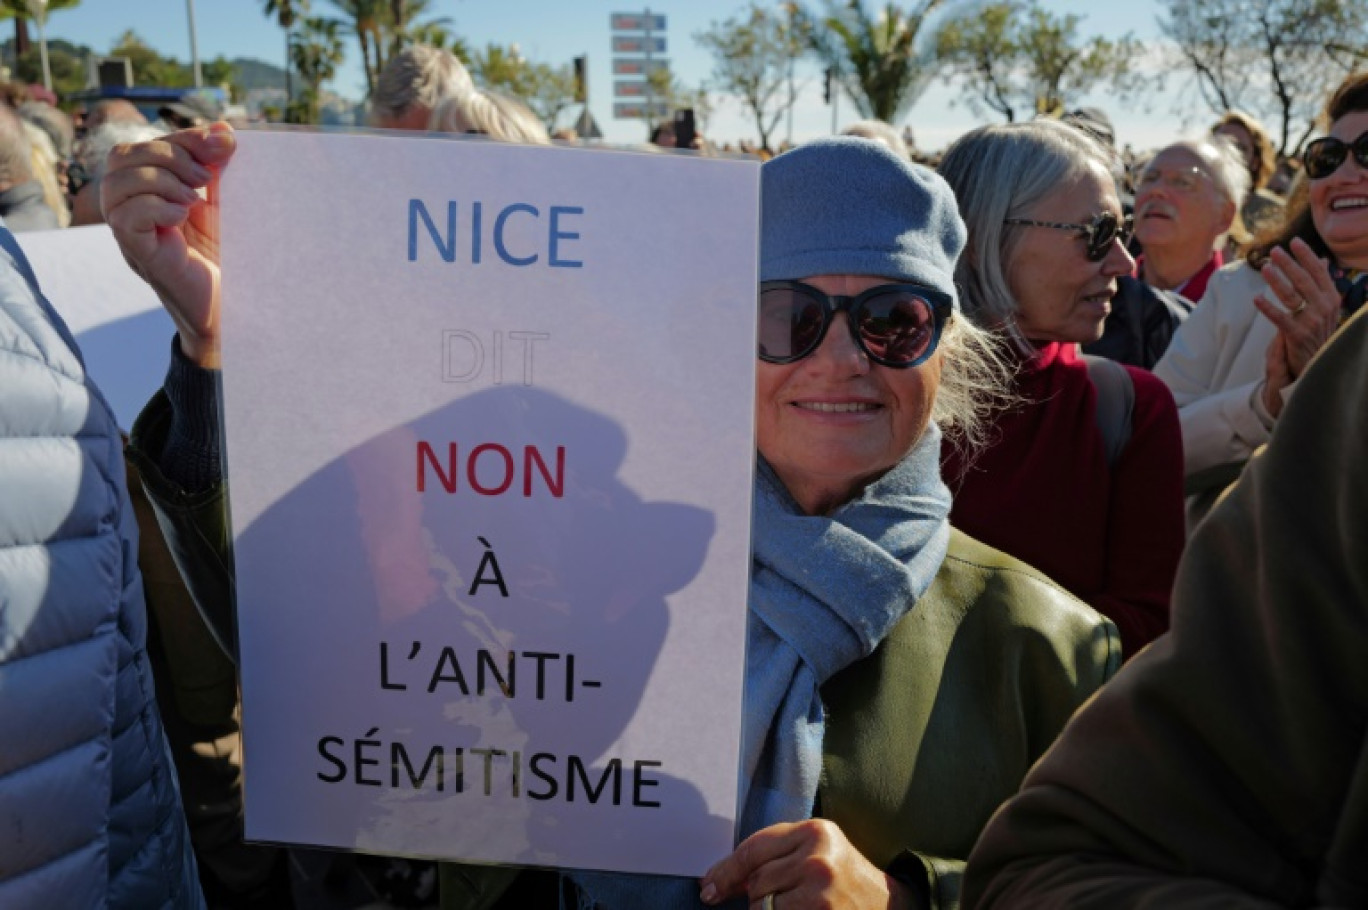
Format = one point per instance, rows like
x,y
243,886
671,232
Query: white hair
x,y
418,75
1224,162
492,113
95,147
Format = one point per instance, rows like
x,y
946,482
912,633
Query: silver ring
x,y
768,902
1301,306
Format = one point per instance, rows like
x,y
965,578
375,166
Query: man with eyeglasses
x,y
1186,202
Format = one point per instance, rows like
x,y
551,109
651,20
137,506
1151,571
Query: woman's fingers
x,y
154,199
733,875
1317,268
1300,277
1310,303
809,865
1277,313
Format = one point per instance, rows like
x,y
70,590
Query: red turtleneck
x,y
1042,491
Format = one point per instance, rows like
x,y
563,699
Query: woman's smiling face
x,y
833,422
1339,201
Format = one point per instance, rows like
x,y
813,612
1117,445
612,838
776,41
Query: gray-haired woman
x,y
1082,480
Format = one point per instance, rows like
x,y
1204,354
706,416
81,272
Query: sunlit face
x,y
833,422
1339,202
1061,295
1178,202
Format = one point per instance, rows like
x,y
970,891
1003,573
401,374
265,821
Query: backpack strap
x,y
1115,403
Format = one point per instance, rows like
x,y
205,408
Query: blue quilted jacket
x,y
90,813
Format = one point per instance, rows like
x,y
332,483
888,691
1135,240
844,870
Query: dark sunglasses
x,y
1324,156
1104,230
896,325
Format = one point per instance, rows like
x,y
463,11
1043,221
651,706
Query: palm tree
x,y
364,18
21,11
876,58
285,13
402,22
316,50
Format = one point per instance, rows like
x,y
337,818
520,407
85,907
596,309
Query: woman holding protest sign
x,y
901,677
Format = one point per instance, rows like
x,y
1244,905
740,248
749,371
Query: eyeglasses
x,y
1101,232
895,325
1324,156
1185,180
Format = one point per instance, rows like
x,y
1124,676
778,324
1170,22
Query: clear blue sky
x,y
554,32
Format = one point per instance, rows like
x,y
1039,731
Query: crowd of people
x,y
1059,557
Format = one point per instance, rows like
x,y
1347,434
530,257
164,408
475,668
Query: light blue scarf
x,y
824,592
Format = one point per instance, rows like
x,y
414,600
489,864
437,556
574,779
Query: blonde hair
x,y
492,113
43,161
879,131
976,383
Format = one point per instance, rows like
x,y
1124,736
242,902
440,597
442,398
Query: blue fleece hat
x,y
851,206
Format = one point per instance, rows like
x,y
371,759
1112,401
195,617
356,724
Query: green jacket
x,y
985,670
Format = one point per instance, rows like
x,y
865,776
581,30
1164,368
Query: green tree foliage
x,y
547,90
18,10
876,58
1277,59
316,51
753,58
383,27
285,13
403,25
499,66
150,67
68,69
1059,68
1014,56
979,49
363,20
221,72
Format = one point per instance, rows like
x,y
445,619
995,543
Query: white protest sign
x,y
124,334
489,428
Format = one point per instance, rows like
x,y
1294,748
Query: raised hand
x,y
168,231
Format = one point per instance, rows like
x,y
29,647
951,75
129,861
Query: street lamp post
x,y
194,46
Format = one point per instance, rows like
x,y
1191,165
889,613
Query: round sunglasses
x,y
1100,233
1324,156
895,325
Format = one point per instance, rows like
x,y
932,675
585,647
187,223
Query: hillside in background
x,y
254,74
248,74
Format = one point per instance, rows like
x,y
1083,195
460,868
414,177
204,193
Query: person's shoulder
x,y
978,577
1235,281
1150,390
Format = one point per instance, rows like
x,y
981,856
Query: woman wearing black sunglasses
x,y
1083,479
906,675
1236,360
